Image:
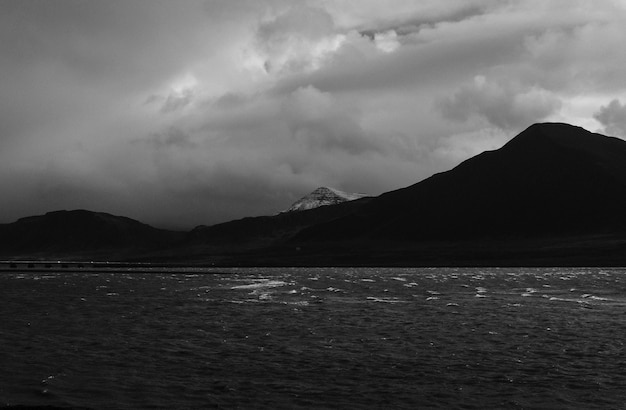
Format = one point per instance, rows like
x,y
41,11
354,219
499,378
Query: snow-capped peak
x,y
323,196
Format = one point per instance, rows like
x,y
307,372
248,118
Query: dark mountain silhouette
x,y
553,195
552,179
80,231
254,232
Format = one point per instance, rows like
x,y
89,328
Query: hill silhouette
x,y
552,179
553,195
260,231
80,231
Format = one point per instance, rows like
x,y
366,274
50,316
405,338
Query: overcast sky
x,y
180,113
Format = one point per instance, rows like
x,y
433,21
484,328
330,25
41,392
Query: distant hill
x,y
262,231
552,179
81,232
323,196
553,195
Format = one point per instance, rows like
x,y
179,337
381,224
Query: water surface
x,y
302,338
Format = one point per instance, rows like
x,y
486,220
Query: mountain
x,y
323,196
81,232
258,234
553,195
552,180
265,231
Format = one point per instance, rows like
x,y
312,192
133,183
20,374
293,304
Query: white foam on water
x,y
556,299
261,284
43,277
263,295
297,303
384,300
598,298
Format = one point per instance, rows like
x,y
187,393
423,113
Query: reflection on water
x,y
300,338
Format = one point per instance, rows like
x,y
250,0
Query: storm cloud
x,y
196,112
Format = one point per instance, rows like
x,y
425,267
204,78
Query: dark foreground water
x,y
315,338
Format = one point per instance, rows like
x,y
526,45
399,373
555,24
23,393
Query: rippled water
x,y
302,338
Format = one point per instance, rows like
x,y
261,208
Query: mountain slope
x,y
553,195
254,232
552,179
81,231
323,196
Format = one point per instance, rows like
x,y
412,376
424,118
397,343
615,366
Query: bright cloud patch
x,y
387,41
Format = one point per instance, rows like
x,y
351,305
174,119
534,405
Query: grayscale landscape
x,y
312,204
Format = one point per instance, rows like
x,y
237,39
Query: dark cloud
x,y
412,25
177,100
172,137
318,121
287,43
230,100
613,118
436,56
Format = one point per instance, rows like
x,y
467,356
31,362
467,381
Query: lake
x,y
522,338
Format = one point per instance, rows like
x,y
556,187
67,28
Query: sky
x,y
194,112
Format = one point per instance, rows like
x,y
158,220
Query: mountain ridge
x,y
323,196
553,195
82,231
528,170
